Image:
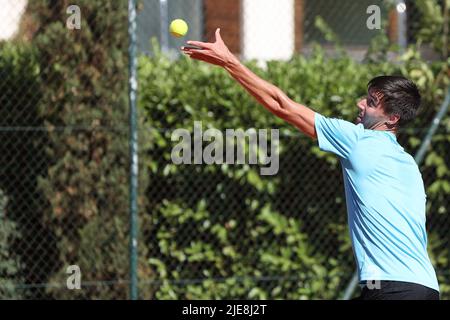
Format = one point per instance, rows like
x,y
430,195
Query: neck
x,y
384,127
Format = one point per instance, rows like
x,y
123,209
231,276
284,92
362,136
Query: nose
x,y
362,104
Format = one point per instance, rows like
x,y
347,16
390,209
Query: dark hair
x,y
400,96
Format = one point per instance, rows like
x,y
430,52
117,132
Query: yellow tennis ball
x,y
178,28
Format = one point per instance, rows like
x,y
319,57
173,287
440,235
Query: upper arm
x,y
336,135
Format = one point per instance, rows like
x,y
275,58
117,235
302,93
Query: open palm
x,y
216,53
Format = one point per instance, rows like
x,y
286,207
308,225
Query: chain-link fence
x,y
205,231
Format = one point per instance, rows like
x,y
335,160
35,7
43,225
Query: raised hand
x,y
216,53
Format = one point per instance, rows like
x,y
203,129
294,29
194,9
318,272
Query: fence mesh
x,y
205,231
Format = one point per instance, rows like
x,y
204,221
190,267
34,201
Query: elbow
x,y
273,105
279,111
277,101
280,104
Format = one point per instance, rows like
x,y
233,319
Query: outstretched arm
x,y
271,97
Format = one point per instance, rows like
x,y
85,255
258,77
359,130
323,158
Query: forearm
x,y
264,92
272,98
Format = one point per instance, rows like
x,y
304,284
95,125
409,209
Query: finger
x,y
200,51
218,34
199,58
199,44
190,51
191,47
196,56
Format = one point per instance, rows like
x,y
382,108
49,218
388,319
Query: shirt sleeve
x,y
336,135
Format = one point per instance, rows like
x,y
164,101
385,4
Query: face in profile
x,y
371,113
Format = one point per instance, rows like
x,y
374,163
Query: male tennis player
x,y
383,186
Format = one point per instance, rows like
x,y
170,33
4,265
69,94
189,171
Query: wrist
x,y
230,62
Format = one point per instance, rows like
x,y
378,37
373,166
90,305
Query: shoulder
x,y
336,135
339,128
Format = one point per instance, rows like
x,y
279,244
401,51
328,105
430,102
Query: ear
x,y
393,120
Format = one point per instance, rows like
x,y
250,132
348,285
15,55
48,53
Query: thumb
x,y
218,37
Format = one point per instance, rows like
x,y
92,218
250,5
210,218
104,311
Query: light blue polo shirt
x,y
385,199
